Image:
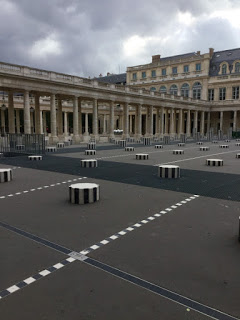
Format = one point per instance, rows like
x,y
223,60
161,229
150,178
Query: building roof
x,y
114,78
179,56
219,56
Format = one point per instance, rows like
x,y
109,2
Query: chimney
x,y
198,53
100,75
211,52
156,58
108,74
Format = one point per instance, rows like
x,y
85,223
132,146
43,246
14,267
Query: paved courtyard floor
x,y
151,248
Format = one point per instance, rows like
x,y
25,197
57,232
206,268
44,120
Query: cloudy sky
x,y
89,37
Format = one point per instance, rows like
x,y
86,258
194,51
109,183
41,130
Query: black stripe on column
x,y
86,195
70,194
5,173
94,194
76,195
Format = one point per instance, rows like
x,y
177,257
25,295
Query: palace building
x,y
188,93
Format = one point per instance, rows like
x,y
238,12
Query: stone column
x,y
53,139
41,122
202,123
130,124
86,133
80,118
208,122
166,121
3,126
188,123
27,123
180,122
66,133
126,124
11,115
150,121
76,138
32,120
60,119
221,120
104,124
162,122
139,121
18,120
44,123
195,124
37,115
235,121
95,118
111,133
172,122
157,130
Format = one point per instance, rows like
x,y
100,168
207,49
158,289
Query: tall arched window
x,y
153,89
163,89
224,69
197,88
237,67
185,90
173,89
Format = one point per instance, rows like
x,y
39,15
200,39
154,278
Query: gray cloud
x,y
89,37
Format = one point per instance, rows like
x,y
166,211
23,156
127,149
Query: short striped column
x,y
238,155
169,171
138,141
20,147
51,149
214,141
237,140
60,145
130,139
129,149
82,193
158,146
224,146
146,141
181,144
237,144
90,152
178,151
214,162
227,140
5,175
199,143
116,141
33,158
89,163
91,146
122,143
204,148
142,156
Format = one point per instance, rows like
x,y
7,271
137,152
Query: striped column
x,y
168,171
5,175
83,193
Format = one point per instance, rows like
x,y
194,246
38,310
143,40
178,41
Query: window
x,y
134,76
237,67
153,73
210,94
222,93
143,74
185,68
185,90
153,89
163,89
235,93
164,72
197,88
174,70
198,66
224,69
173,90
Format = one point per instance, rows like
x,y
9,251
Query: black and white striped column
x,y
178,151
199,143
146,141
169,171
35,158
89,163
238,155
51,149
60,145
214,141
158,146
20,147
5,175
224,146
90,152
227,140
181,144
237,144
204,148
142,156
122,143
129,149
91,146
214,162
82,193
